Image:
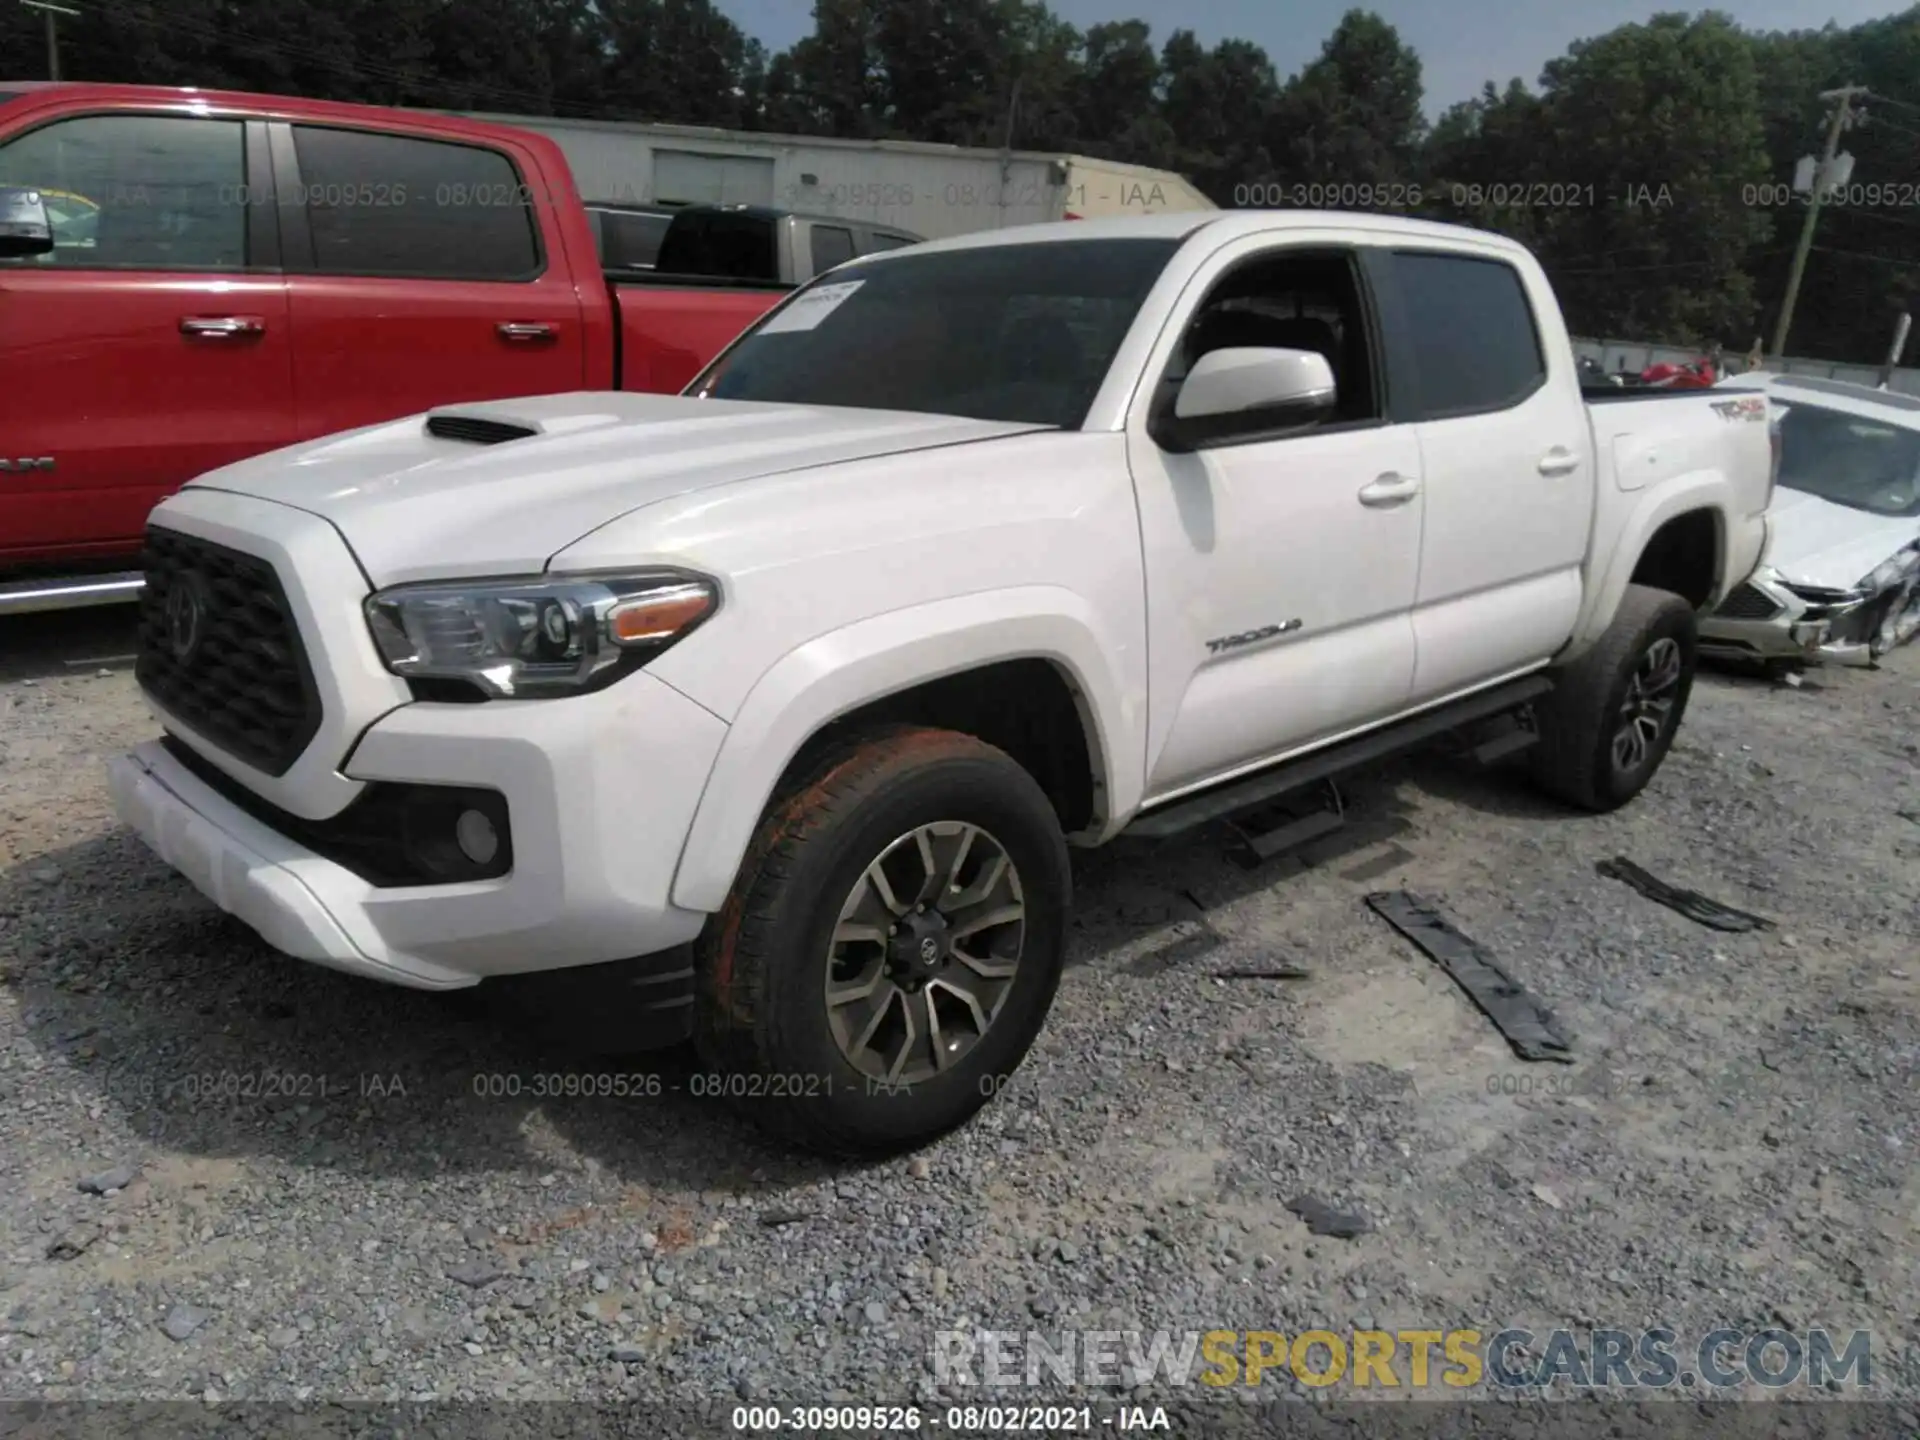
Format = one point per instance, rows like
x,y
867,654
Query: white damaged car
x,y
1841,576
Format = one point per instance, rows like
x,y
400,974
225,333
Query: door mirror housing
x,y
24,227
1242,393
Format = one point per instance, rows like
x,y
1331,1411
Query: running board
x,y
1289,776
22,597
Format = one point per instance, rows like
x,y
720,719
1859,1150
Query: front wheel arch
x,y
875,662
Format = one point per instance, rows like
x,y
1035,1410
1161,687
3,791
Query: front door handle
x,y
524,331
1559,461
1390,489
222,327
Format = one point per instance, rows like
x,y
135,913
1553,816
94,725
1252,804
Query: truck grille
x,y
1747,603
220,652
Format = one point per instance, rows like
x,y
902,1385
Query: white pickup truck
x,y
786,697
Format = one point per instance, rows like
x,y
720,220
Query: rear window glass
x,y
832,244
1852,460
399,206
1472,331
629,241
719,244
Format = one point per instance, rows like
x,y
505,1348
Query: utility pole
x,y
1842,115
48,9
1900,329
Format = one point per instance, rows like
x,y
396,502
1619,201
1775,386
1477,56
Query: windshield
x,y
1022,333
1852,460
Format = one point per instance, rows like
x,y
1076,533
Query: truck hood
x,y
1816,542
535,475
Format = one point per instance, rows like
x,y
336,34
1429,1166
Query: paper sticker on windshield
x,y
1752,408
811,308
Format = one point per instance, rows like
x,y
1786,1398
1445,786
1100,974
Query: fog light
x,y
477,838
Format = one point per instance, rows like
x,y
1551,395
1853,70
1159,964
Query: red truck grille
x,y
219,650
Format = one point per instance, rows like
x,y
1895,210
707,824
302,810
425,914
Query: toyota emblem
x,y
186,616
929,949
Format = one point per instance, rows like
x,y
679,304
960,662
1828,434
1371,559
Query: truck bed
x,y
670,326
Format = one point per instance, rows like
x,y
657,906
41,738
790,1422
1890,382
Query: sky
x,y
1461,43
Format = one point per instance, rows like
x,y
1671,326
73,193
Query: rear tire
x,y
1613,712
808,925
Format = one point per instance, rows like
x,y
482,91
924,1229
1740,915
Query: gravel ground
x,y
1734,1146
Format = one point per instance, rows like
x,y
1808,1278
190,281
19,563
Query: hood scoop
x,y
477,429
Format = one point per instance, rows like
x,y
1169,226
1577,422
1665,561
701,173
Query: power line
x,y
1874,97
1862,255
1876,123
1671,265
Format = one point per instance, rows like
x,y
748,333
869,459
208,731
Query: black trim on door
x,y
296,236
1400,372
263,221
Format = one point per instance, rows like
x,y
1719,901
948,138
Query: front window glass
x,y
1023,333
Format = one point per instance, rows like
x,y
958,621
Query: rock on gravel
x,y
118,1178
183,1320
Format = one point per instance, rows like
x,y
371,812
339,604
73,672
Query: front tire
x,y
839,1015
1613,713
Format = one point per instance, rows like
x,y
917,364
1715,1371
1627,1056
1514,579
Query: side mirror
x,y
1240,393
24,227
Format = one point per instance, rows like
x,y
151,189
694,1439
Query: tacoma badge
x,y
1251,637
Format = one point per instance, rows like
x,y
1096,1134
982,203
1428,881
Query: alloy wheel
x,y
1647,709
924,952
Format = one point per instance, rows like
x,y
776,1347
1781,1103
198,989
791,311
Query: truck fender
x,y
1676,495
845,669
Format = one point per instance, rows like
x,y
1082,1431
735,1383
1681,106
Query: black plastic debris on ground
x,y
1528,1025
1322,1219
1690,903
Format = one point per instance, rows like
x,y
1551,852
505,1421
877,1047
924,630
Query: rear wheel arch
x,y
1685,556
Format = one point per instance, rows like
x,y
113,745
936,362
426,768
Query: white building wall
x,y
932,190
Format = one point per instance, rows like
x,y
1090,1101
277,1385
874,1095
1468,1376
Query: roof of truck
x,y
194,100
1226,225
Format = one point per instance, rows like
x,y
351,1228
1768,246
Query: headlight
x,y
541,637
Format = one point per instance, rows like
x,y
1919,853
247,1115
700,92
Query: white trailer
x,y
932,190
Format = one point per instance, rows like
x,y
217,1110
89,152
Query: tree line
x,y
1648,166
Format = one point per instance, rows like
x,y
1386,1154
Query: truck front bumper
x,y
1765,619
600,792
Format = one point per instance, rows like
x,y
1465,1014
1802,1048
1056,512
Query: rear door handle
x,y
524,331
1558,461
1390,489
222,327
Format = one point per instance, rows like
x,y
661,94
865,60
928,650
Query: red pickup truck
x,y
230,273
